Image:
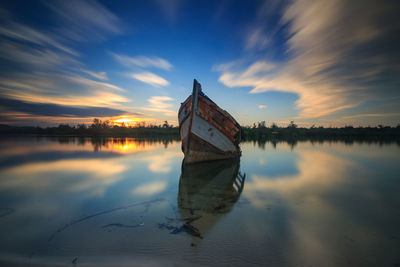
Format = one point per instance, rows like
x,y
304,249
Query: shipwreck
x,y
207,132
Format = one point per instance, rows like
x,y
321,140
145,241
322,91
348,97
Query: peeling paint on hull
x,y
207,131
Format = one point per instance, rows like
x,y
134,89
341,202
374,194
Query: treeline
x,y
293,132
257,132
97,128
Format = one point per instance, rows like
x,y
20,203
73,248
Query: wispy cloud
x,y
160,104
257,39
62,89
20,32
142,61
46,74
159,101
333,61
91,83
56,110
83,19
162,163
150,78
262,106
98,75
34,58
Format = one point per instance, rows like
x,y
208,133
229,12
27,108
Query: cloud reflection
x,y
331,187
317,171
91,176
150,189
163,163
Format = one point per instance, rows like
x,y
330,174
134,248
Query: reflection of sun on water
x,y
127,146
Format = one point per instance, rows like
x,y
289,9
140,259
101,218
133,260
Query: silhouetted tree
x,y
292,125
261,124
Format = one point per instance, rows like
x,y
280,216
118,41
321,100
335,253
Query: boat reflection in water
x,y
207,191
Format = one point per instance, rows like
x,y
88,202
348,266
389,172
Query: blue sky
x,y
321,62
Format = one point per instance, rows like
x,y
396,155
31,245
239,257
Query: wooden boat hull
x,y
207,132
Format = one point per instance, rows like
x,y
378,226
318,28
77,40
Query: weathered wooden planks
x,y
207,131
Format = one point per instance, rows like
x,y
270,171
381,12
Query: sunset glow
x,y
132,62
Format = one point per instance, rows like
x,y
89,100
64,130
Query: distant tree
x,y
141,124
292,125
261,125
105,124
165,125
81,126
274,126
96,124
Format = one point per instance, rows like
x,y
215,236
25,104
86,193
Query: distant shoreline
x,y
383,133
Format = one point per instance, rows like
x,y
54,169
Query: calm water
x,y
82,201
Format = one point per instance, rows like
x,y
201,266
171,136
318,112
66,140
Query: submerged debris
x,y
73,222
190,229
184,228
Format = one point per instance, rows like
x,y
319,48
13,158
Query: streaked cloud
x,y
257,39
20,32
33,58
55,110
150,78
98,75
45,74
150,189
92,84
160,101
332,66
161,104
60,88
372,115
85,19
143,61
262,106
333,61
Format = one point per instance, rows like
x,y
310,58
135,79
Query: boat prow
x,y
207,131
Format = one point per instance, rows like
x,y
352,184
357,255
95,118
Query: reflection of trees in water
x,y
99,143
261,143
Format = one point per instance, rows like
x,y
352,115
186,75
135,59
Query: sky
x,y
323,63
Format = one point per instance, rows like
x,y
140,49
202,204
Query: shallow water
x,y
126,201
